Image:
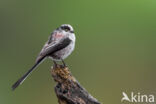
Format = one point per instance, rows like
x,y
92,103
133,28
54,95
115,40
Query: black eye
x,y
66,28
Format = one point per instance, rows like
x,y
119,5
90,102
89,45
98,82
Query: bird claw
x,y
59,66
55,65
63,66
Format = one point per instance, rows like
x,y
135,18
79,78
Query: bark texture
x,y
68,89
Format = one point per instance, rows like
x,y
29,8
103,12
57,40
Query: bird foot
x,y
59,66
63,66
55,65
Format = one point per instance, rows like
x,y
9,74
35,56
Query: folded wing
x,y
53,47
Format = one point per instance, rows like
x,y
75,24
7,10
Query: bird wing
x,y
53,47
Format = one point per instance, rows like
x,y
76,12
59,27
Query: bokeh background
x,y
115,48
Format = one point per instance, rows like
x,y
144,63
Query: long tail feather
x,y
16,84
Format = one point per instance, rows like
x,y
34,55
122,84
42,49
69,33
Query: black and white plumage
x,y
59,46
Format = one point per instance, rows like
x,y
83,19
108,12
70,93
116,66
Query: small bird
x,y
59,46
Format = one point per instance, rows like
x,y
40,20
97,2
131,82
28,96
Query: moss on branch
x,y
68,89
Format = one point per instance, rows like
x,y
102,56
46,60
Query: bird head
x,y
66,28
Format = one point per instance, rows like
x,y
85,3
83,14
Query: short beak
x,y
72,31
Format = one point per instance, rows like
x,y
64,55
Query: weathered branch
x,y
68,89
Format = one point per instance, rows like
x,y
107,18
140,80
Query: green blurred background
x,y
115,48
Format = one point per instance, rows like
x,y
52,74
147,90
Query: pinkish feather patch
x,y
58,35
